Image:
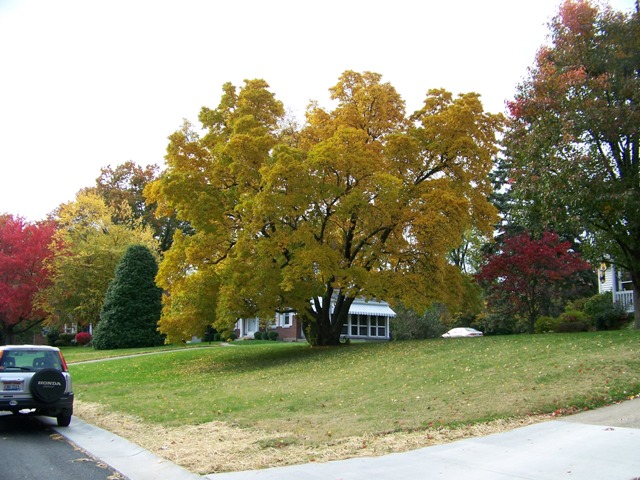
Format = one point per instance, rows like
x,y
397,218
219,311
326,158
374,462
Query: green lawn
x,y
368,387
83,354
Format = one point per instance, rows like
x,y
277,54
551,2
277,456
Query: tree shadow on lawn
x,y
265,357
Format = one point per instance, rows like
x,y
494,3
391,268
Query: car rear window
x,y
23,359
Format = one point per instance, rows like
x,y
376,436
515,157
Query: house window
x,y
624,281
378,327
359,325
73,328
285,319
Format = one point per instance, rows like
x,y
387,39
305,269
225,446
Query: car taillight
x,y
62,361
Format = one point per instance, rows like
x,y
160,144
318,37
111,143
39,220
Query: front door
x,y
251,327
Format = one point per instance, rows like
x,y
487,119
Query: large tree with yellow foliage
x,y
89,246
363,201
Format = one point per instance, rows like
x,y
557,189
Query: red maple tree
x,y
24,249
525,270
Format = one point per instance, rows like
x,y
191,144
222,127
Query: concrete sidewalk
x,y
602,444
129,459
550,451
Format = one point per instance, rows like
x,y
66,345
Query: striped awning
x,y
363,307
375,309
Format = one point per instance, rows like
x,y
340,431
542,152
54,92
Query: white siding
x,y
608,276
607,282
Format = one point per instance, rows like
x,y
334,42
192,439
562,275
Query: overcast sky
x,y
87,83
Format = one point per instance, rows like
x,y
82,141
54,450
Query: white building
x,y
618,282
368,320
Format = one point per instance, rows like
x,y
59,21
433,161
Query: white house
x,y
367,320
611,279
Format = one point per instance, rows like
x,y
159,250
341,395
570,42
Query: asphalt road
x,y
31,450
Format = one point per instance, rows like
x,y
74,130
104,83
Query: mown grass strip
x,y
316,394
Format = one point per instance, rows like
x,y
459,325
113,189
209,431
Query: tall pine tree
x,y
132,306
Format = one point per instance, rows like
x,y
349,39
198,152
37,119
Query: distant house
x,y
367,320
618,282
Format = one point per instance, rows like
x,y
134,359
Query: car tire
x,y
48,385
63,420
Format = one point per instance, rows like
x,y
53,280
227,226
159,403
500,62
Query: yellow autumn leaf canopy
x,y
361,201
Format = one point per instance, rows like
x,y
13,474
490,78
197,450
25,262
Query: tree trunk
x,y
7,335
532,324
322,324
635,283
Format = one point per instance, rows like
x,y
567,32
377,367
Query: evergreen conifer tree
x,y
132,305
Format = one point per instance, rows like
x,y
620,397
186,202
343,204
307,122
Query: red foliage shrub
x,y
83,338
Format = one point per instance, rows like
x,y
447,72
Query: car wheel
x,y
63,420
48,385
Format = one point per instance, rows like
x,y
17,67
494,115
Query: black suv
x,y
35,380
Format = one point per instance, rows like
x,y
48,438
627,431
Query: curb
x,y
129,459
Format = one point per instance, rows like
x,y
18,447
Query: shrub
x,y
409,325
499,323
574,316
209,334
606,315
573,321
52,336
572,327
257,335
83,338
577,304
65,340
272,335
546,324
228,336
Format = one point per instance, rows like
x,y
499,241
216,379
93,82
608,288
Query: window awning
x,y
376,309
361,307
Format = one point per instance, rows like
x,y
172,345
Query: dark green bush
x,y
410,325
573,321
571,316
228,336
546,324
209,334
577,304
499,323
257,335
606,315
65,340
52,335
572,327
272,335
